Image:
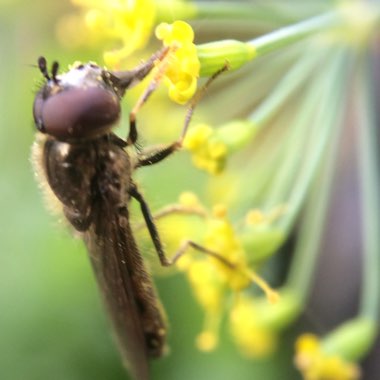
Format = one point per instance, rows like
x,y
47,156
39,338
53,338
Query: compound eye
x,y
76,112
37,112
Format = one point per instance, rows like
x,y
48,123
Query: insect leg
x,y
166,151
189,243
184,247
129,78
271,294
148,217
132,136
150,224
174,209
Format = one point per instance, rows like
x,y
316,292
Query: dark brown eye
x,y
76,112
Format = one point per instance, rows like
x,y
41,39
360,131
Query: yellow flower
x,y
260,236
209,292
207,152
230,269
315,364
221,238
210,147
182,72
213,280
206,285
128,23
254,338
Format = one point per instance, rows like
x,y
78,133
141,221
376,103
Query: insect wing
x,y
111,245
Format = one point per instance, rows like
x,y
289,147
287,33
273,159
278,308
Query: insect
x,y
89,170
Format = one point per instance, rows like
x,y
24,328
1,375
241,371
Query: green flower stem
x,y
284,159
351,24
251,89
268,190
239,133
325,129
370,187
303,263
288,85
293,152
214,55
294,33
351,340
289,173
270,183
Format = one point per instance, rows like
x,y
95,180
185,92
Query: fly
x,y
89,170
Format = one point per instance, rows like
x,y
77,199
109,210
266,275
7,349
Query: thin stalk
x,y
287,86
293,154
214,55
249,88
303,264
261,118
325,123
294,33
350,24
294,165
370,195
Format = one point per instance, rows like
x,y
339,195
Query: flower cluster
x,y
208,153
222,278
127,24
182,72
251,332
210,147
316,364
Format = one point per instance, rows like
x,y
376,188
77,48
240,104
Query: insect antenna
x,y
54,71
42,65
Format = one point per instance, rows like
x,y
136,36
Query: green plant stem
x,y
303,263
293,151
250,89
214,55
287,86
271,107
297,169
370,187
294,33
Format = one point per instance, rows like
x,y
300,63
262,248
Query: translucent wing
x,y
112,248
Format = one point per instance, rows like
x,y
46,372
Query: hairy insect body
x,y
92,180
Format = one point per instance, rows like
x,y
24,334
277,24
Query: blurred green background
x,y
52,325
